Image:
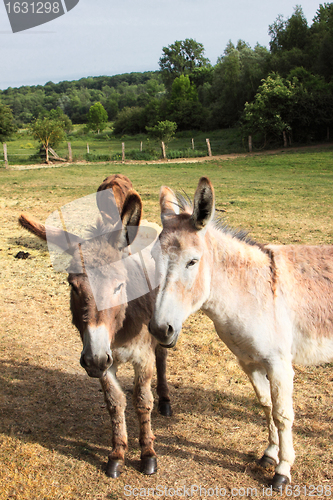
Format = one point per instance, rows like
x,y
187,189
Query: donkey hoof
x,y
267,462
114,468
164,408
148,465
279,481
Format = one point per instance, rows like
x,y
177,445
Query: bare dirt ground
x,y
54,426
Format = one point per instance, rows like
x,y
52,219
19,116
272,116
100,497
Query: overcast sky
x,y
108,37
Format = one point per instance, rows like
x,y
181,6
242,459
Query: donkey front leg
x,y
116,403
280,375
259,380
164,406
143,402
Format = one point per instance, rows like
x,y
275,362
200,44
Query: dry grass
x,y
54,427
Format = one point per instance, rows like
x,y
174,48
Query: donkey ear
x,y
204,204
168,202
130,218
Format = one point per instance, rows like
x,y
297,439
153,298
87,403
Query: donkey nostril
x,y
109,360
84,362
170,330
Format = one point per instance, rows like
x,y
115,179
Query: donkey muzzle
x,y
96,356
96,366
166,335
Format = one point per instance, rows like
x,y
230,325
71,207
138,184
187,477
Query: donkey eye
x,y
118,288
191,263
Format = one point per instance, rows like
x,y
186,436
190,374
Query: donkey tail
x,y
63,239
33,225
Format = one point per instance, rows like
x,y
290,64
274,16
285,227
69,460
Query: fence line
x,y
76,152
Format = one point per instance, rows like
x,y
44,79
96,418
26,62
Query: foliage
x,y
236,78
290,33
270,112
181,58
49,131
300,105
97,117
130,121
59,116
183,90
184,107
7,125
163,131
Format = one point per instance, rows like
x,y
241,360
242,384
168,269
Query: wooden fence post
x,y
5,154
123,151
70,157
209,148
285,143
87,148
250,143
141,146
193,144
163,150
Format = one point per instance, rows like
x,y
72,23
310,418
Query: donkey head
x,y
183,262
98,276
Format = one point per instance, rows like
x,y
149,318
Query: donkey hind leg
x,y
280,375
116,403
259,380
143,401
164,405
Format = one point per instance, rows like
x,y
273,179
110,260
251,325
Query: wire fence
x,y
115,150
95,152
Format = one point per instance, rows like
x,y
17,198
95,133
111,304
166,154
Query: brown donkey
x,y
104,276
272,305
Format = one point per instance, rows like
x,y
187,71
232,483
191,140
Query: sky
x,y
109,37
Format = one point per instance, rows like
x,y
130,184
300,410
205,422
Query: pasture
x,y
54,426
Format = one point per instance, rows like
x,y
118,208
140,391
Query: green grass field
x,y
285,198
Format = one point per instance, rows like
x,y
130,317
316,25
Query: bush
x,y
98,157
130,121
184,153
142,155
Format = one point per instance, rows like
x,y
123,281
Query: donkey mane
x,y
185,205
101,228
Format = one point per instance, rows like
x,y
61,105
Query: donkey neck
x,y
240,272
140,309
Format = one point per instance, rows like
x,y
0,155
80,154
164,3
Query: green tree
x,y
181,58
183,90
271,112
289,34
57,114
312,117
321,31
49,132
163,131
97,117
7,125
236,78
290,43
130,121
184,107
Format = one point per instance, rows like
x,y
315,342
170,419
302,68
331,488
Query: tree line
x,y
286,89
